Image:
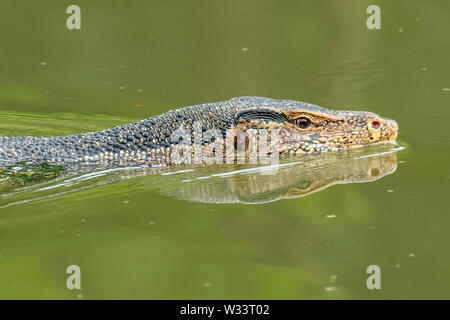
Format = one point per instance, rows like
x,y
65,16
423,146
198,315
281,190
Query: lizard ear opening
x,y
267,115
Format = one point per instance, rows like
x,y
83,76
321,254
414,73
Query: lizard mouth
x,y
392,129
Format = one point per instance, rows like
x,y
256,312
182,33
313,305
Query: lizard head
x,y
307,128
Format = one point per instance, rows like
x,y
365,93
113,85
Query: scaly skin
x,y
302,128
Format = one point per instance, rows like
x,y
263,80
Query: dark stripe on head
x,y
260,114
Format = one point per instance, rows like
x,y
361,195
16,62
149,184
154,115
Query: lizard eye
x,y
303,122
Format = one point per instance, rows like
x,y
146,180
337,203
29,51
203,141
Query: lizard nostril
x,y
375,124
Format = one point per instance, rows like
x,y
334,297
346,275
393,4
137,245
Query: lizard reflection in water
x,y
292,178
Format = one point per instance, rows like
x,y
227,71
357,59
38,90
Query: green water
x,y
309,230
